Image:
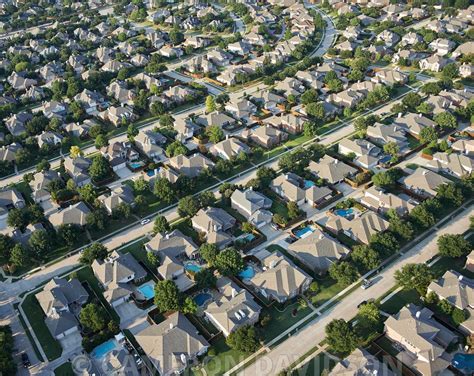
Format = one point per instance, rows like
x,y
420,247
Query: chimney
x,y
425,172
399,115
418,314
234,293
226,136
460,277
420,115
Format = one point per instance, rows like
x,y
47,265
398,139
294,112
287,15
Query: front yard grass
x,y
64,370
51,347
315,366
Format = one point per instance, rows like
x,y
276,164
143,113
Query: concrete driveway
x,y
71,343
129,312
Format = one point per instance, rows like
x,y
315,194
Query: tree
x,y
446,120
369,317
459,316
189,306
344,273
153,259
97,219
40,242
210,104
96,251
206,199
422,217
293,210
100,168
44,165
417,276
75,151
450,195
101,141
366,257
229,262
266,175
68,233
6,245
188,206
400,228
18,256
167,296
209,253
431,88
310,128
17,218
175,148
341,337
205,278
428,134
412,100
163,190
309,96
141,185
247,227
244,339
392,149
453,245
161,224
384,243
450,71
315,110
93,317
87,193
215,134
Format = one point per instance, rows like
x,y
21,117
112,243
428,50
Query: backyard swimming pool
x,y
150,173
192,267
202,298
247,273
344,212
303,232
309,184
147,291
137,165
104,348
463,362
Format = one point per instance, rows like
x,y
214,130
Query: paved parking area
x,y
71,343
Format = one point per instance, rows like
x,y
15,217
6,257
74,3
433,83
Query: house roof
x,y
74,214
211,218
424,180
457,289
361,363
171,343
318,250
331,169
172,244
250,200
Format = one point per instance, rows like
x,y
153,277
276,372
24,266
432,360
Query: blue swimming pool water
x,y
385,159
247,273
344,212
249,237
202,298
192,267
305,231
136,165
148,291
464,362
309,184
150,173
104,348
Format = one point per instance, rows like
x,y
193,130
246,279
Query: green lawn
x,y
400,300
112,225
315,366
64,370
51,347
137,250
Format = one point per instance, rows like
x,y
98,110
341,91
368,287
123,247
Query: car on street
x,y
25,360
145,221
366,283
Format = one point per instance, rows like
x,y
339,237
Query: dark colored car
x,y
25,360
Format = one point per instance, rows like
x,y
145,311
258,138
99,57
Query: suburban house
x,y
442,46
331,169
16,123
78,169
118,115
229,148
381,201
40,185
151,144
318,251
269,101
10,199
289,186
288,122
214,223
242,109
424,182
61,301
390,77
434,63
455,164
366,153
361,228
117,274
361,362
458,291
122,195
191,166
281,279
235,307
252,205
463,146
384,134
413,123
118,154
265,136
75,215
218,118
172,345
423,339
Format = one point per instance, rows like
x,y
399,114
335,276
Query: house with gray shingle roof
x,y
172,344
60,300
318,251
455,164
361,363
331,169
424,182
381,201
252,205
214,223
281,279
233,308
75,214
423,339
40,184
117,274
229,148
191,166
9,199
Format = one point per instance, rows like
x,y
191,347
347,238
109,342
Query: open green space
x,y
64,370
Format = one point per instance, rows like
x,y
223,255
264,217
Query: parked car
x,y
290,239
145,221
365,302
25,360
274,226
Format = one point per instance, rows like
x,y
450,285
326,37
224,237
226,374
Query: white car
x,y
366,283
145,221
